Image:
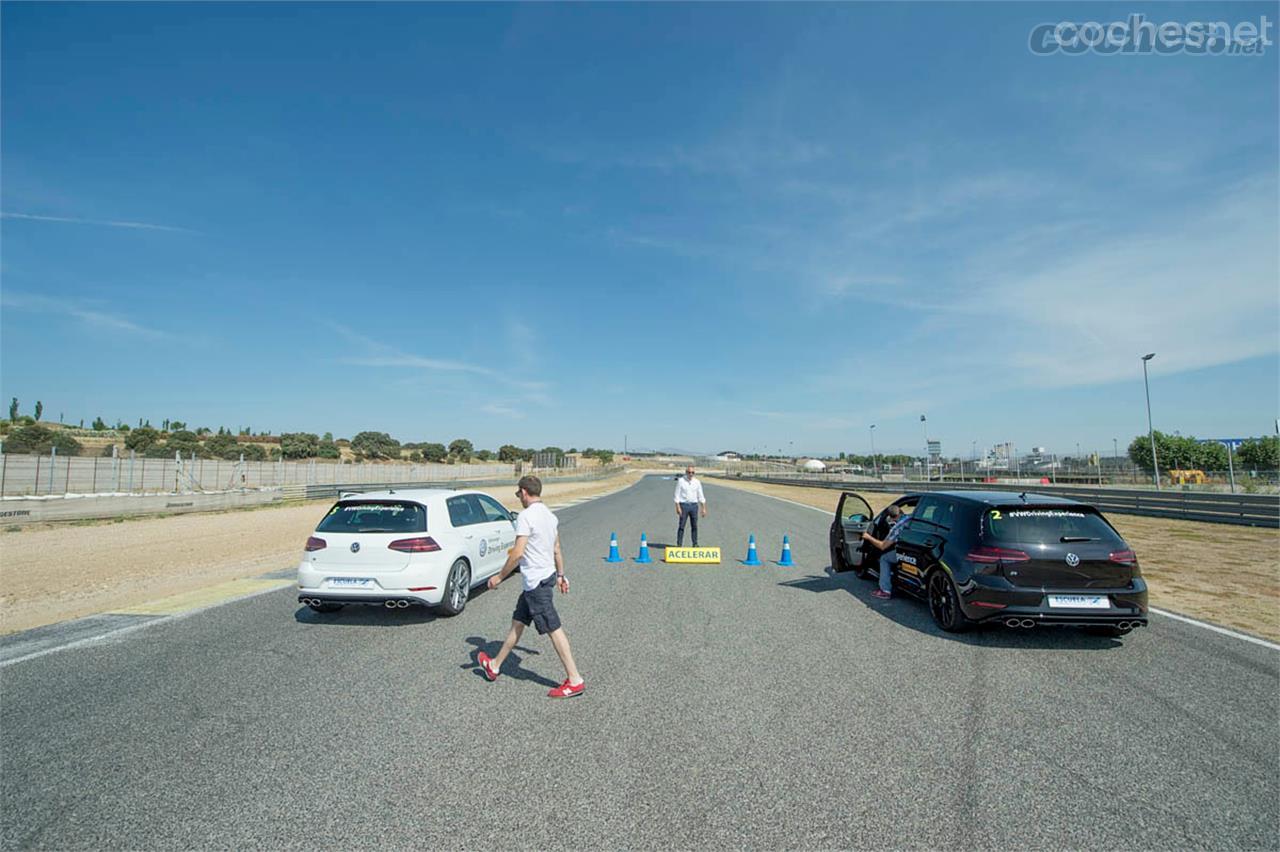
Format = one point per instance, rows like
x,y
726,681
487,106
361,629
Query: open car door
x,y
853,518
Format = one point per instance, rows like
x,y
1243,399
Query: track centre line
x,y
1175,616
121,631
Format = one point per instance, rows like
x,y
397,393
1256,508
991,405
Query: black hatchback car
x,y
1019,559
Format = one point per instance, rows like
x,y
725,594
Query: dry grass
x,y
55,572
1225,574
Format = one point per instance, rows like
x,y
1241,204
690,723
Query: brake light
x,y
426,544
1124,557
314,543
991,555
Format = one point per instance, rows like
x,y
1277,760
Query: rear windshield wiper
x,y
1067,538
374,529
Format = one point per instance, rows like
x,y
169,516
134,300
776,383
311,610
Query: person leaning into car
x,y
888,548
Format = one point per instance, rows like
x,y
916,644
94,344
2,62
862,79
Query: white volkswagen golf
x,y
397,548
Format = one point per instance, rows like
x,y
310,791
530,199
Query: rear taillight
x,y
426,544
991,555
1124,557
314,543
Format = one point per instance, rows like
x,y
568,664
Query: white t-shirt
x,y
539,560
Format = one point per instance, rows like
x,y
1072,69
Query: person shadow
x,y
511,668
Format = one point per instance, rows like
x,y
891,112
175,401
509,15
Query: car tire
x,y
944,603
457,588
326,607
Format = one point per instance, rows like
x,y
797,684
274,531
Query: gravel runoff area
x,y
56,572
1220,573
727,707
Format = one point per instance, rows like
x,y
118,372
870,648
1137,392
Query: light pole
x,y
924,427
875,465
1151,434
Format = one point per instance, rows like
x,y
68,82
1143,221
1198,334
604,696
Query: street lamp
x,y
924,427
1151,434
875,464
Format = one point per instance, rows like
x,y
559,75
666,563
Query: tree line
x,y
1175,452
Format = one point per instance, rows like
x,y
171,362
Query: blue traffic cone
x,y
644,550
785,561
751,559
613,548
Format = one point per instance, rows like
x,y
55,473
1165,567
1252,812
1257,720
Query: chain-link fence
x,y
1110,473
54,475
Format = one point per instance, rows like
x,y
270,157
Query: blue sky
x,y
699,226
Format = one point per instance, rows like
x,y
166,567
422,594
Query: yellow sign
x,y
692,554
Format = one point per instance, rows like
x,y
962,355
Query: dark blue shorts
x,y
538,607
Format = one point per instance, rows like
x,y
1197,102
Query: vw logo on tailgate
x,y
1073,560
355,548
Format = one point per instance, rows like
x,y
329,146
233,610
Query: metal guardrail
x,y
1253,510
331,490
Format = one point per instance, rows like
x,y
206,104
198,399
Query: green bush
x,y
376,445
299,445
141,439
40,440
328,450
253,452
223,446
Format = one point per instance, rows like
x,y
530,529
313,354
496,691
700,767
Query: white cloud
x,y
88,314
70,220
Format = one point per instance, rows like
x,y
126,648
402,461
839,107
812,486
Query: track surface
x,y
726,707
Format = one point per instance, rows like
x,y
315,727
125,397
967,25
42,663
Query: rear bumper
x,y
379,599
387,586
994,599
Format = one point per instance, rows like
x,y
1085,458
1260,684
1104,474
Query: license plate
x,y
1079,602
351,582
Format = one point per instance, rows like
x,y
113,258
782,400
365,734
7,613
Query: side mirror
x,y
513,516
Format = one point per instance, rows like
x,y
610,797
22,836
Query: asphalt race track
x,y
726,707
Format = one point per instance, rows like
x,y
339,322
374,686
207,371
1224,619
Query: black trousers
x,y
688,512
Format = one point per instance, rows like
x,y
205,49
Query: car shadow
x,y
511,668
364,615
914,614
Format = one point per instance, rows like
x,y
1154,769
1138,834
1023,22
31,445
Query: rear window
x,y
374,516
1045,525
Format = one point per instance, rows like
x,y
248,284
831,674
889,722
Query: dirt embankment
x,y
55,572
1225,574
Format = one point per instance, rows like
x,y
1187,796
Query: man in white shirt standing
x,y
689,499
537,553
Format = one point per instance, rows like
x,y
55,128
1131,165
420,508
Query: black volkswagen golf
x,y
1019,559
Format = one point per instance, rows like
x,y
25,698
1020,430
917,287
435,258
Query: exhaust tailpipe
x,y
1028,623
402,604
1011,622
390,604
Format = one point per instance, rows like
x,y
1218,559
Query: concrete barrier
x,y
34,510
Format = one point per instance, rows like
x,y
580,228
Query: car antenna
x,y
1023,496
393,491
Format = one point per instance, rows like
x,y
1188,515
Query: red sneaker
x,y
884,596
484,660
567,690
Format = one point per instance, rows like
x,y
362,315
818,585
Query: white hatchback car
x,y
398,548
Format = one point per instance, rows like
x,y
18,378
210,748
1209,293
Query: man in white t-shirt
x,y
537,554
689,498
